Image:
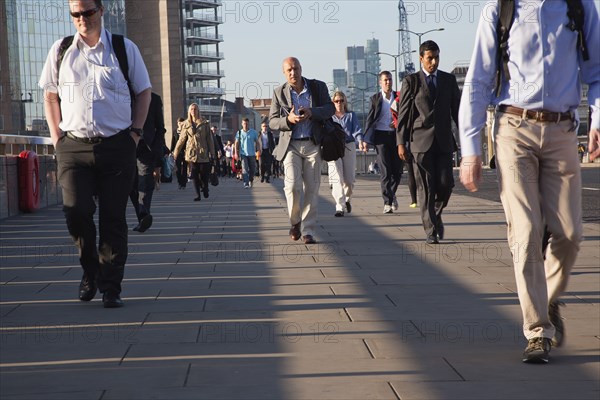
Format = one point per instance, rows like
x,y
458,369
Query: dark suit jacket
x,y
321,108
373,116
430,118
154,127
270,140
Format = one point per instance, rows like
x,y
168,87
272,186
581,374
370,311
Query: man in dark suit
x,y
220,149
380,132
298,110
150,152
428,105
266,155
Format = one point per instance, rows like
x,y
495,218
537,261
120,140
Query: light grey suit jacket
x,y
321,108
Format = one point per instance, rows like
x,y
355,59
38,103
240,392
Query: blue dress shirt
x,y
546,66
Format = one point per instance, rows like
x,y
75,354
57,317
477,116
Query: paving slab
x,y
221,304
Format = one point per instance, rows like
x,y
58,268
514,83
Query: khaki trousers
x,y
540,184
302,167
342,174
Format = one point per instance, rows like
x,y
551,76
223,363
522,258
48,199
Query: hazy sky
x,y
258,35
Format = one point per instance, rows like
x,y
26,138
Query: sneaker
x,y
413,205
246,186
250,184
339,213
554,314
395,204
387,209
537,350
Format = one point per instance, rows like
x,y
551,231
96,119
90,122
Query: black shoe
x,y
262,180
554,314
432,239
112,300
440,230
87,288
348,207
198,198
537,350
308,239
205,193
267,180
137,227
144,224
338,214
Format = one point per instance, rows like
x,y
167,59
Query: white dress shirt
x,y
95,99
545,66
384,122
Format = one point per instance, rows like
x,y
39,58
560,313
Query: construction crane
x,y
404,50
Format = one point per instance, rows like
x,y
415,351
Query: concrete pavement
x,y
220,304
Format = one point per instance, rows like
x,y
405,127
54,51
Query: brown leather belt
x,y
94,140
541,116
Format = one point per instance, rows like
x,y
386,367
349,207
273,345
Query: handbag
x,y
333,143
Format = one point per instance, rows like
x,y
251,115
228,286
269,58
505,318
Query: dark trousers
x,y
412,182
105,170
144,183
389,163
435,181
181,166
200,175
266,159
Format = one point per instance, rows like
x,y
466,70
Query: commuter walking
x,y
219,149
298,110
247,144
199,147
95,141
180,164
539,64
342,172
266,155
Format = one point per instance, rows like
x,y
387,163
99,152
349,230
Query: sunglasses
x,y
338,101
84,14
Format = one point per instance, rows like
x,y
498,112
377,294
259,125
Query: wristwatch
x,y
137,131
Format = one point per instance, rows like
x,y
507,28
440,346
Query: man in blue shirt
x,y
536,148
246,140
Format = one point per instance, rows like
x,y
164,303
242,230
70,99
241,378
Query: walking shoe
x,y
537,350
413,205
145,224
87,288
246,186
339,213
387,209
308,239
295,231
555,318
348,207
395,204
250,184
432,239
112,300
268,181
197,198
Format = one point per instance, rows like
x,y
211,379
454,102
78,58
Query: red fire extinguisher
x,y
28,170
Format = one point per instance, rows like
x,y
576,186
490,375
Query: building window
x,y
1,122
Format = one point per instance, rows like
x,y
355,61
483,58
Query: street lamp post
x,y
420,34
395,56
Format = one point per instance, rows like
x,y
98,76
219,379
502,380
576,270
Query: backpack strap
x,y
576,19
506,15
118,44
62,49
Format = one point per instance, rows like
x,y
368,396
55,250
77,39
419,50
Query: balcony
x,y
205,91
201,4
193,20
203,38
203,73
203,55
208,109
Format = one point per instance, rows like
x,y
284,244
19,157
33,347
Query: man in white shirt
x,y
95,132
536,147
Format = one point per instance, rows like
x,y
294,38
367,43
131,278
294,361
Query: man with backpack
x,y
534,53
87,99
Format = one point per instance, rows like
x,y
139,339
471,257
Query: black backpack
x,y
118,45
506,16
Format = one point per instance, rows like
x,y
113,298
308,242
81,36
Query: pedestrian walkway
x,y
220,304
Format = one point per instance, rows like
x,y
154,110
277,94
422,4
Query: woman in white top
x,y
342,172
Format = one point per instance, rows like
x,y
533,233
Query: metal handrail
x,y
20,139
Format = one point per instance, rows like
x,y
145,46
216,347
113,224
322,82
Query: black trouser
x,y
181,166
433,172
412,182
200,175
144,183
389,163
266,159
106,170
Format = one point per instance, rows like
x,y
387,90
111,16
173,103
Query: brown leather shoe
x,y
308,239
295,231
